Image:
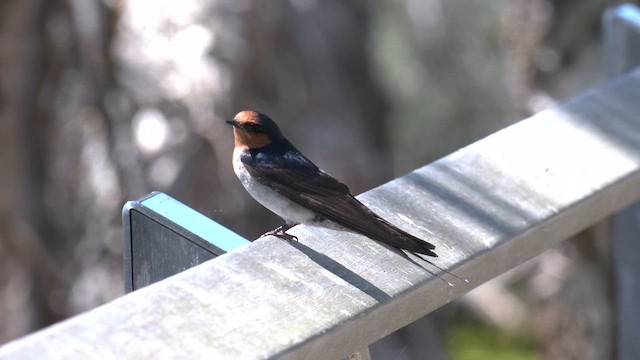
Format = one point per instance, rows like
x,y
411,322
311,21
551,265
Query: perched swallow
x,y
284,181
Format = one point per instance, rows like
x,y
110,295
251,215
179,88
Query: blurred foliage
x,y
443,61
478,341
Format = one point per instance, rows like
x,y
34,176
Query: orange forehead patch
x,y
247,116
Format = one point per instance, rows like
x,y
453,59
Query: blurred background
x,y
103,101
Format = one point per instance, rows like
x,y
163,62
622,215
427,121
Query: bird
x,y
286,182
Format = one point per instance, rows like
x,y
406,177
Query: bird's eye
x,y
253,127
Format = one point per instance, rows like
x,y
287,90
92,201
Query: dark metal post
x,y
163,237
622,53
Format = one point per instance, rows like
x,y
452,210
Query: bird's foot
x,y
280,232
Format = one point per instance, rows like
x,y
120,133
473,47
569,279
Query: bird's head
x,y
253,130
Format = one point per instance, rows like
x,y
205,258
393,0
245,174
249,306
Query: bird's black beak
x,y
232,123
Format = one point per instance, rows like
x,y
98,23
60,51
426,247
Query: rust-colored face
x,y
248,140
248,130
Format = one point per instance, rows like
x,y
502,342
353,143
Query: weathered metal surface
x,y
487,207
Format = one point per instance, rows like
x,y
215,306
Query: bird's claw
x,y
280,233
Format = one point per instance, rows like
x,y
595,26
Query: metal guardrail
x,y
488,207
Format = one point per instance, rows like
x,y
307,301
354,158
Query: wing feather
x,y
286,171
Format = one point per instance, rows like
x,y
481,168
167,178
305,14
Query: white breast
x,y
281,206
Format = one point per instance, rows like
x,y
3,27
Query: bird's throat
x,y
247,140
